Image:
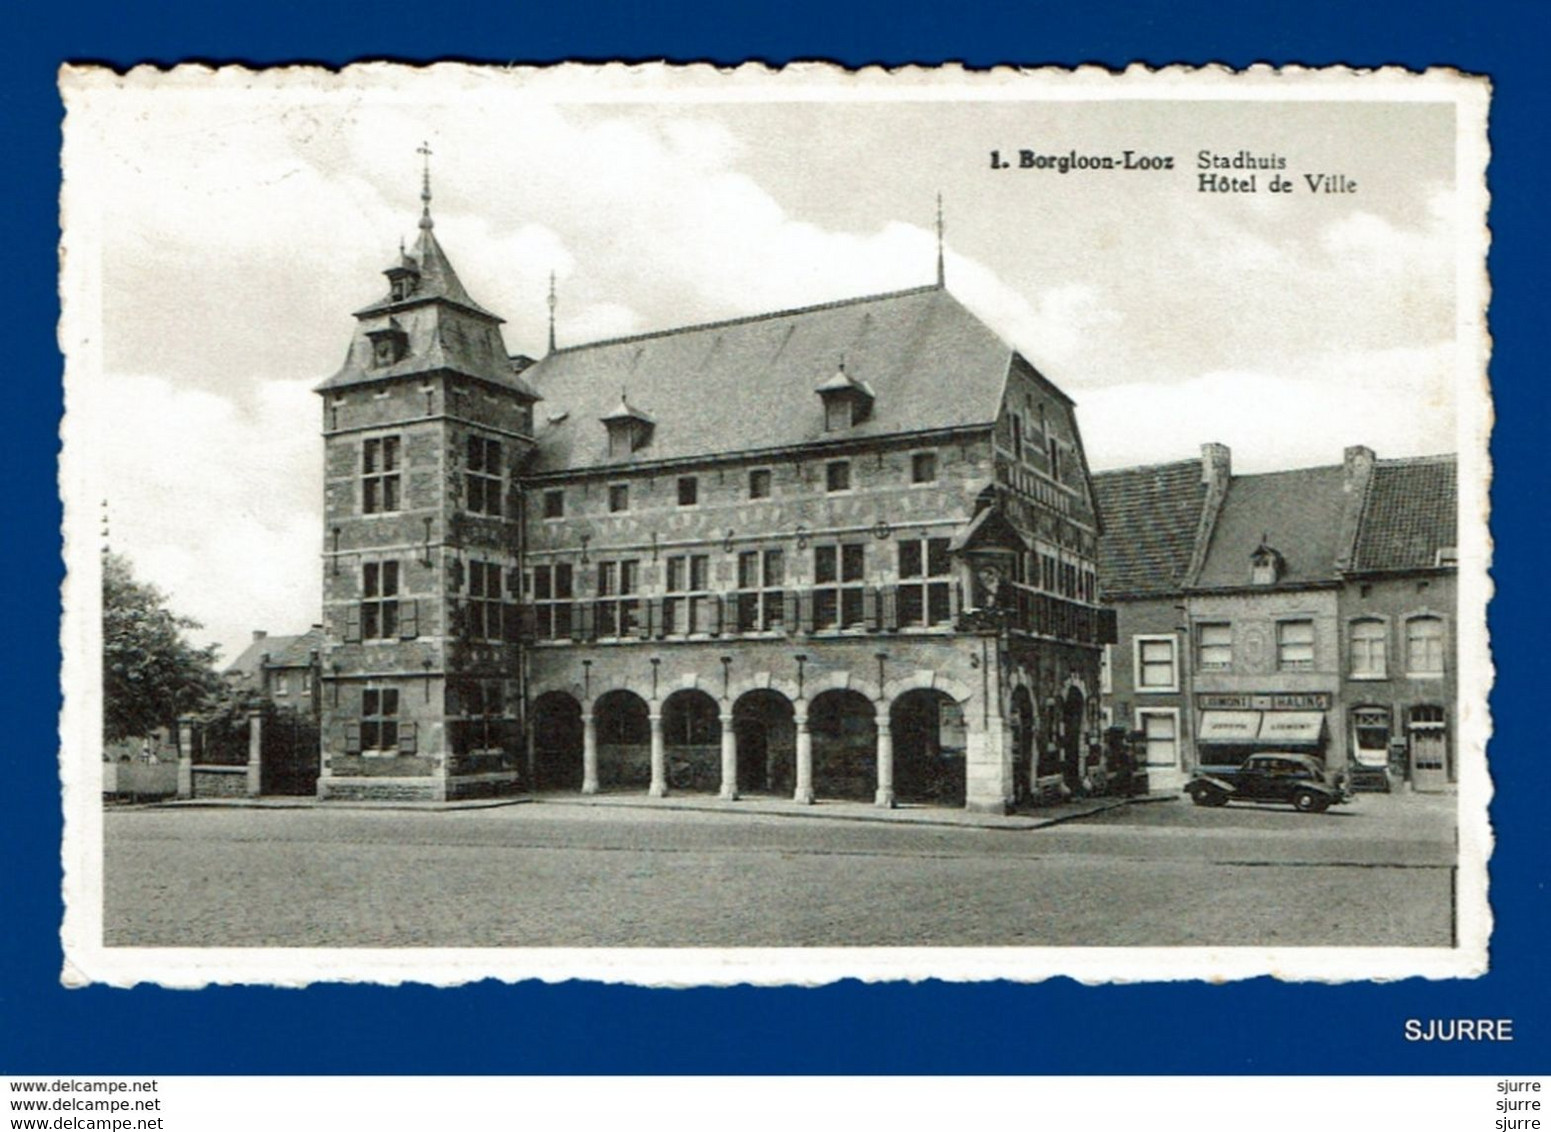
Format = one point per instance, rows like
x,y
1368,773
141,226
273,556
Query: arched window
x,y
1368,652
1424,646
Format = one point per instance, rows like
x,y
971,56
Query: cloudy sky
x,y
225,231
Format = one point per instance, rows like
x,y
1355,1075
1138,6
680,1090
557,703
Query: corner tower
x,y
424,426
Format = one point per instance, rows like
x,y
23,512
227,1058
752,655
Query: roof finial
x,y
941,275
425,186
552,302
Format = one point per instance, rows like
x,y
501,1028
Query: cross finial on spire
x,y
552,303
425,186
941,275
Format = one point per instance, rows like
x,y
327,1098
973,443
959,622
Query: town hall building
x,y
847,551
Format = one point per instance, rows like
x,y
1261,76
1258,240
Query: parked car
x,y
1269,777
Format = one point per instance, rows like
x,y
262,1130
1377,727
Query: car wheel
x,y
1308,802
1201,796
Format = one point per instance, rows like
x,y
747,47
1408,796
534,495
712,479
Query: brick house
x,y
1311,609
844,551
282,669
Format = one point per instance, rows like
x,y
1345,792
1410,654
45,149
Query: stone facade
x,y
872,598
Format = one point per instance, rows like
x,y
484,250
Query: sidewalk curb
x,y
821,811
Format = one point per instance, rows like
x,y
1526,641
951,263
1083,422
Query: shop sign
x,y
1263,701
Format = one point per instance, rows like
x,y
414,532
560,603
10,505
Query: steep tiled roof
x,y
284,652
749,384
1410,514
437,278
442,328
1297,512
1150,519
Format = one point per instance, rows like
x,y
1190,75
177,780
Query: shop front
x,y
1233,726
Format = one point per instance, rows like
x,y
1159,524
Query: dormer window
x,y
629,428
847,401
403,278
389,343
1266,565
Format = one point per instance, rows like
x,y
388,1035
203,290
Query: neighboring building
x,y
1155,520
1312,610
281,669
1398,617
842,551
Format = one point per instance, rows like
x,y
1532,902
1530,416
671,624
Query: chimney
x,y
260,634
1357,470
1358,463
1216,465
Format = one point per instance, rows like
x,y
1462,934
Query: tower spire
x,y
425,187
552,302
941,275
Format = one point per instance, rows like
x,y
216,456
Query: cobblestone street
x,y
619,873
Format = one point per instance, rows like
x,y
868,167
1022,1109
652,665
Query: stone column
x,y
885,796
659,786
185,757
804,791
729,760
589,753
255,753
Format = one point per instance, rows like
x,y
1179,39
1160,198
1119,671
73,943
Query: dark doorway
x,y
1071,739
1023,768
692,741
624,741
929,741
557,742
762,721
845,745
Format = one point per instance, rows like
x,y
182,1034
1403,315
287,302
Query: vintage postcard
x,y
694,526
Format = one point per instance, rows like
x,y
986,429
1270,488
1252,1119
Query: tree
x,y
150,673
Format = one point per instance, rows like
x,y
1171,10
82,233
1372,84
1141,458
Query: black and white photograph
x,y
690,526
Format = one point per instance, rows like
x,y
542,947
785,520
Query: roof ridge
x,y
1415,461
748,318
1190,462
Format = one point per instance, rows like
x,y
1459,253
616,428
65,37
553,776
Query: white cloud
x,y
216,506
1398,402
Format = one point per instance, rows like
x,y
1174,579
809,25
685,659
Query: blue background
x,y
1056,1027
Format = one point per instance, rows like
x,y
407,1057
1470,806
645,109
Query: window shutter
x,y
805,611
890,607
456,619
455,575
407,738
409,620
527,621
654,608
644,624
511,622
585,622
352,737
789,611
514,580
955,599
718,614
730,615
870,608
352,624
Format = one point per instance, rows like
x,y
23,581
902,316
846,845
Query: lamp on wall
x,y
802,537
